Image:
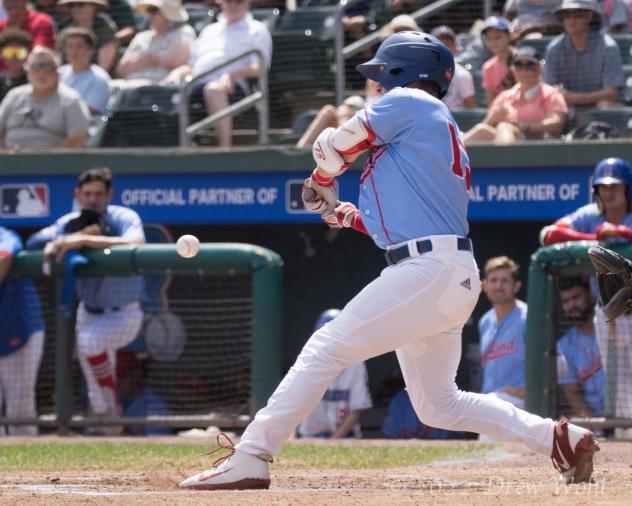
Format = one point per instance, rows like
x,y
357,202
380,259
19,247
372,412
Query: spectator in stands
x,y
21,16
14,49
234,32
496,74
154,53
88,79
502,332
88,14
616,15
461,92
43,113
330,117
529,16
583,62
49,7
122,14
531,109
580,369
403,423
21,338
338,413
138,399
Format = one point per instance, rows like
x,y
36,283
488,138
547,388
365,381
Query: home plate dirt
x,y
510,475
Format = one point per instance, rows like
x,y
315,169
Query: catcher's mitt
x,y
614,276
86,218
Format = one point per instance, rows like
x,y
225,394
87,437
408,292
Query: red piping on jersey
x,y
5,253
368,124
371,161
379,209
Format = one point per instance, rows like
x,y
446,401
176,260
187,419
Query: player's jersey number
x,y
464,173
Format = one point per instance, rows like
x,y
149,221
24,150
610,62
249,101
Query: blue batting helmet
x,y
405,57
613,171
326,317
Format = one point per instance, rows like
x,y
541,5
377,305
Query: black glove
x,y
614,277
86,218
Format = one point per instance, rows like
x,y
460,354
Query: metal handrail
x,y
261,96
346,52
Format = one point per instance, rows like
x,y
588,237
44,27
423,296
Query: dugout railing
x,y
546,323
218,356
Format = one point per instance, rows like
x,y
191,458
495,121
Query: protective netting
x,y
191,358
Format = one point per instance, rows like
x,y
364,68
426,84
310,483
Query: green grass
x,y
149,456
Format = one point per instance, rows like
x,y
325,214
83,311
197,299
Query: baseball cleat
x,y
235,471
573,450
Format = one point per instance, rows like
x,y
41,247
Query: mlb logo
x,y
293,201
24,200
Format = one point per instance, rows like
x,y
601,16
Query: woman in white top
x,y
154,53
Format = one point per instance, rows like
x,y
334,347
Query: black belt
x,y
100,310
396,255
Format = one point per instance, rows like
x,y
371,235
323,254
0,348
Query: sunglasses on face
x,y
529,65
152,10
233,1
45,67
575,14
14,52
76,4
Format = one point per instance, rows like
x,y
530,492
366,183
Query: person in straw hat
x,y
167,43
88,14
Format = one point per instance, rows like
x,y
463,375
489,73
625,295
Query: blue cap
x,y
496,22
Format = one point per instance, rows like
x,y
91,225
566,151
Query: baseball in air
x,y
188,246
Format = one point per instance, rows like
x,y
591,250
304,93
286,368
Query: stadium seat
x,y
315,21
620,118
143,116
624,40
467,118
268,16
199,16
539,44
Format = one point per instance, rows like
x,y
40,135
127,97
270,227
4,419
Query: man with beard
x,y
580,369
502,331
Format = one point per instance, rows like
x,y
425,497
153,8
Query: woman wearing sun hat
x,y
154,53
88,14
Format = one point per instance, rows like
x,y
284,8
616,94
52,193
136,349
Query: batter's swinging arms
x,y
413,203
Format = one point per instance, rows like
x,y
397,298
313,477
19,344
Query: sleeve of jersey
x,y
39,239
133,227
391,118
10,244
565,372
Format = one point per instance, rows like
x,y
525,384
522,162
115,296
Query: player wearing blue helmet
x,y
413,200
606,219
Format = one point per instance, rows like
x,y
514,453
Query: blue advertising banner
x,y
180,198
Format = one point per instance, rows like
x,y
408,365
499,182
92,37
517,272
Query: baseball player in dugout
x,y
414,196
109,315
608,219
501,331
21,339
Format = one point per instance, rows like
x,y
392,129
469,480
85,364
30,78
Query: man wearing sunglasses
x,y
44,113
14,48
235,32
531,109
583,62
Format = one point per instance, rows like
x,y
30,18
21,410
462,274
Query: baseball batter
x,y
21,339
338,413
109,314
414,195
607,219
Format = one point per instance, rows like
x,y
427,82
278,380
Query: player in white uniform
x,y
414,195
109,314
338,413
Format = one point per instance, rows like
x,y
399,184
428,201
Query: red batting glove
x,y
606,230
345,215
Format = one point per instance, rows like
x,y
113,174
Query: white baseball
x,y
188,246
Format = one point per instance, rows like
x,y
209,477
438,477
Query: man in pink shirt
x,y
38,24
531,109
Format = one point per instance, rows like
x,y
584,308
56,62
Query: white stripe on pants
x,y
99,333
418,308
18,374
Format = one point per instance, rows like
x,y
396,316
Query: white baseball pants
x,y
418,308
18,374
98,338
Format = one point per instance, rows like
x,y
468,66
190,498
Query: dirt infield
x,y
509,475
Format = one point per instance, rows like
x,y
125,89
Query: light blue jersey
x,y
108,291
20,312
587,218
502,348
416,179
582,364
